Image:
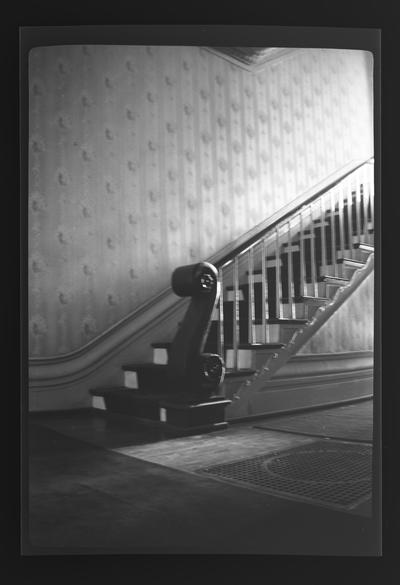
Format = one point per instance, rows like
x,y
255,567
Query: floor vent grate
x,y
327,473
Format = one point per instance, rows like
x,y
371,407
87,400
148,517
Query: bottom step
x,y
174,413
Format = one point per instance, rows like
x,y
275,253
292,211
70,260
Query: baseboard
x,y
306,382
303,409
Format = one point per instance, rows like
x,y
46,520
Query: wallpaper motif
x,y
146,158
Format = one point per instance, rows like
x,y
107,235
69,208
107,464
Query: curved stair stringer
x,y
258,381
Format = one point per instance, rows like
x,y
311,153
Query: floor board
x,y
105,483
84,498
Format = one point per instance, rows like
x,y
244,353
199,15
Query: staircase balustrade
x,y
272,276
252,311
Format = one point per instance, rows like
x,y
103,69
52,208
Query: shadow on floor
x,y
84,498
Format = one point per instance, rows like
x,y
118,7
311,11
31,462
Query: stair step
x,y
307,299
250,356
175,412
296,241
230,373
333,280
351,263
367,248
284,321
245,355
167,345
145,375
230,294
256,345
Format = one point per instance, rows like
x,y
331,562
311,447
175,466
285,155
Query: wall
x,y
146,158
351,327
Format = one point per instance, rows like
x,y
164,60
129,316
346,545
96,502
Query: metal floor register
x,y
328,473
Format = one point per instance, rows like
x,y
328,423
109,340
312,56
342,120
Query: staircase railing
x,y
263,281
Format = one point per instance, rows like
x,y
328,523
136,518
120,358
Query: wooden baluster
x,y
358,205
350,215
235,311
372,192
251,311
264,289
312,245
323,234
278,283
302,258
365,202
333,231
341,218
221,339
290,272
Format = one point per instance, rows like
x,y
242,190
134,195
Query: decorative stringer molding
x,y
259,380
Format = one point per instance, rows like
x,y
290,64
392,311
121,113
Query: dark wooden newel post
x,y
196,374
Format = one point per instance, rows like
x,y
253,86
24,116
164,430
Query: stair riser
x,y
204,416
355,254
127,405
252,359
98,403
145,378
321,289
247,358
274,333
339,270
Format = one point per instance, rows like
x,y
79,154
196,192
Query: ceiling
x,y
251,57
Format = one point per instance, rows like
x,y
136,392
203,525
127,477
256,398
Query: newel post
x,y
191,371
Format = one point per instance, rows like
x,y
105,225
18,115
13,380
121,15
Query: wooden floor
x,y
105,483
350,422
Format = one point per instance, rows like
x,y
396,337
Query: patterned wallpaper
x,y
145,158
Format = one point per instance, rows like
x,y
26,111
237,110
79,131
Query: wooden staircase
x,y
274,294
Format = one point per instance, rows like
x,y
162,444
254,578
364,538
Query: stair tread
x,y
352,260
179,399
309,298
300,299
144,366
255,345
181,402
364,245
240,372
331,277
283,321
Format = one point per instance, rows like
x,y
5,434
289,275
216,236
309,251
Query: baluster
x,y
221,340
264,289
365,202
278,283
372,192
251,311
341,218
235,311
350,216
312,246
333,232
290,272
358,205
302,258
323,240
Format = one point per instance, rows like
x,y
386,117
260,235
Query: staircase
x,y
276,291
